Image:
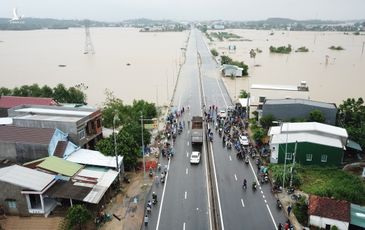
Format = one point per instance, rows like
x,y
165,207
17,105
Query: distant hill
x,y
46,23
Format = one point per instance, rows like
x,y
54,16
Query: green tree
x,y
47,91
317,116
214,52
351,116
5,91
259,134
267,121
244,94
77,216
35,90
60,93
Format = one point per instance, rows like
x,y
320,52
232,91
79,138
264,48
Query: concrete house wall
x,y
22,152
322,222
13,192
334,155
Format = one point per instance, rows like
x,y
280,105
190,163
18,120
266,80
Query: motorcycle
x,y
247,160
220,132
229,145
278,204
150,173
254,186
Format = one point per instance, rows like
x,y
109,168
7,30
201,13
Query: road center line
x,y
187,154
235,177
187,171
184,226
186,194
243,204
230,158
188,143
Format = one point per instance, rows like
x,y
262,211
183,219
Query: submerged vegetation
x,y
224,35
227,60
214,52
335,48
281,49
302,49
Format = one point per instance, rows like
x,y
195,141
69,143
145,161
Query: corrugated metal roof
x,y
300,101
313,126
306,137
6,121
60,149
101,187
12,101
61,166
25,177
91,157
14,134
358,215
51,111
67,190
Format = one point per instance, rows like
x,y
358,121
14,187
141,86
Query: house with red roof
x,y
325,212
7,102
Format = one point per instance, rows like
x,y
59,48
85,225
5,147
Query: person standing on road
x,y
289,209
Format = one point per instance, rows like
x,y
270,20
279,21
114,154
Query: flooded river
x,y
331,75
137,65
132,64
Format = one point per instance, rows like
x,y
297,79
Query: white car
x,y
244,140
195,158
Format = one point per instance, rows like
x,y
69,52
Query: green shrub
x,y
336,48
300,211
214,52
281,49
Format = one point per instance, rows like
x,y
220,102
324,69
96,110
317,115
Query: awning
x,y
353,145
357,215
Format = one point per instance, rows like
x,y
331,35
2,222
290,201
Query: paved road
x,y
184,200
240,209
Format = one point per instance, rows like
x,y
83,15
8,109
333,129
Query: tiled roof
x,y
11,101
15,134
329,208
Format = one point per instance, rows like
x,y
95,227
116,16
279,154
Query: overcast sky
x,y
117,10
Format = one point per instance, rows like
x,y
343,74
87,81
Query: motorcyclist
x,y
154,197
244,183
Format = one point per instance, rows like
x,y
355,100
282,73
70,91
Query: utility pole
x,y
286,151
292,168
89,48
362,51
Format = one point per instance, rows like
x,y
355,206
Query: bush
x,y
300,211
214,52
336,48
302,49
281,49
77,215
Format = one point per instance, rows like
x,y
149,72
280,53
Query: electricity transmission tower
x,y
89,48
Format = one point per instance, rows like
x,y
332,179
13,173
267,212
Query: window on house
x,y
308,157
81,134
262,99
11,203
98,123
289,156
324,158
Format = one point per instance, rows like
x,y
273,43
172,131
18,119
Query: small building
x,y
307,143
231,70
83,125
259,93
325,212
21,144
22,191
357,217
8,102
288,109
